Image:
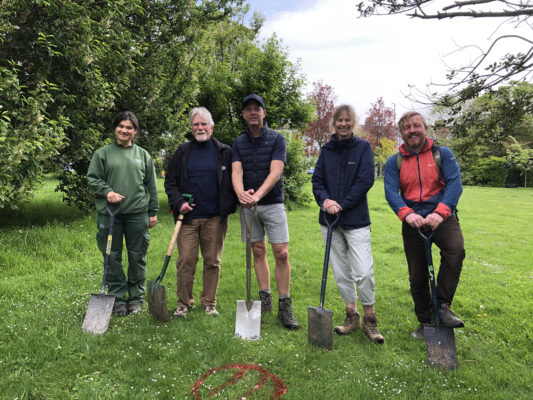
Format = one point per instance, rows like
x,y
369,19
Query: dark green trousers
x,y
133,229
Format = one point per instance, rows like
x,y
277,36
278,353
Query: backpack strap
x,y
435,149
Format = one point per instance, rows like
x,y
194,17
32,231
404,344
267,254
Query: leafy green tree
x,y
85,61
29,139
294,173
521,158
483,126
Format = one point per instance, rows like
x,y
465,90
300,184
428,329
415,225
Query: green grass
x,y
49,266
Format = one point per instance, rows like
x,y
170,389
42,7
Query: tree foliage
x,y
294,174
386,149
80,62
26,154
483,125
318,131
487,71
380,123
520,158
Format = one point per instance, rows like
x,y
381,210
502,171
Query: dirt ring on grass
x,y
236,373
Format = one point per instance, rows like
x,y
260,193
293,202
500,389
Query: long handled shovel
x,y
248,317
320,320
101,305
440,340
156,295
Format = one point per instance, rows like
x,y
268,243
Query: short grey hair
x,y
202,112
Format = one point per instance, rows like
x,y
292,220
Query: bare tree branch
x,y
486,71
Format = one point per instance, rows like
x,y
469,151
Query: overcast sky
x,y
367,58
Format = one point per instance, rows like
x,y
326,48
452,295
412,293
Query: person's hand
x,y
433,220
247,198
331,206
415,221
113,197
185,208
152,221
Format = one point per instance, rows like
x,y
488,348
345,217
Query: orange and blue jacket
x,y
419,186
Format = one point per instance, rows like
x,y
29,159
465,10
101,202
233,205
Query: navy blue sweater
x,y
344,172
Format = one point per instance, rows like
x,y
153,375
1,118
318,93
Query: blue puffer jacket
x,y
344,172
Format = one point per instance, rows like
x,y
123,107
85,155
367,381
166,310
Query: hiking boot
x,y
370,328
266,301
419,333
211,310
448,318
134,308
120,310
351,324
285,314
181,312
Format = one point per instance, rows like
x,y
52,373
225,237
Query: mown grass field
x,y
50,265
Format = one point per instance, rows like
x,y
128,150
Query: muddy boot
x,y
370,327
266,301
285,314
351,324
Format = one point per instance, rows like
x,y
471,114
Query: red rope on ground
x,y
279,390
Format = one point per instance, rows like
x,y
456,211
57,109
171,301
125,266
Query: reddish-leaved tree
x,y
317,132
380,123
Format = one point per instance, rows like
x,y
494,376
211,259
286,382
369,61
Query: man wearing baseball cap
x,y
258,158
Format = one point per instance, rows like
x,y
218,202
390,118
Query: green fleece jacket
x,y
128,171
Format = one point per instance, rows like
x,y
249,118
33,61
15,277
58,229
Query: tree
x,y
485,73
521,158
380,123
76,64
294,173
29,139
381,154
483,125
318,131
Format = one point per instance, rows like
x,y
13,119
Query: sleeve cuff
x,y
443,210
404,212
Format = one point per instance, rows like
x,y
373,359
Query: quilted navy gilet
x,y
255,158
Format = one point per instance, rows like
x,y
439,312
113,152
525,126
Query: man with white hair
x,y
201,167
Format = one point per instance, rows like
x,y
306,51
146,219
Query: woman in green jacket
x,y
123,172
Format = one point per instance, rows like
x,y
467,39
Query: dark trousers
x,y
133,228
449,239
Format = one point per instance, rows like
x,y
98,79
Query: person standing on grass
x,y
258,159
123,172
343,175
424,195
201,167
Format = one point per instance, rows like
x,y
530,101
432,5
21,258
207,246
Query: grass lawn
x,y
50,265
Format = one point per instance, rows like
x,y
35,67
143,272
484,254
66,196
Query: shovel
x,y
440,340
248,318
320,320
157,299
101,305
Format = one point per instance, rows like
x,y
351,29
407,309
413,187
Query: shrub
x,y
295,173
489,171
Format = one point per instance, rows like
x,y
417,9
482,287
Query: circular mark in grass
x,y
239,380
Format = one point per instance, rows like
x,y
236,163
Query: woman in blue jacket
x,y
343,175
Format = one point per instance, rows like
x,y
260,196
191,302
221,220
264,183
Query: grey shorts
x,y
271,218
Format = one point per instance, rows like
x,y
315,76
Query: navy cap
x,y
255,97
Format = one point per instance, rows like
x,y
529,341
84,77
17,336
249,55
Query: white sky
x,y
367,58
